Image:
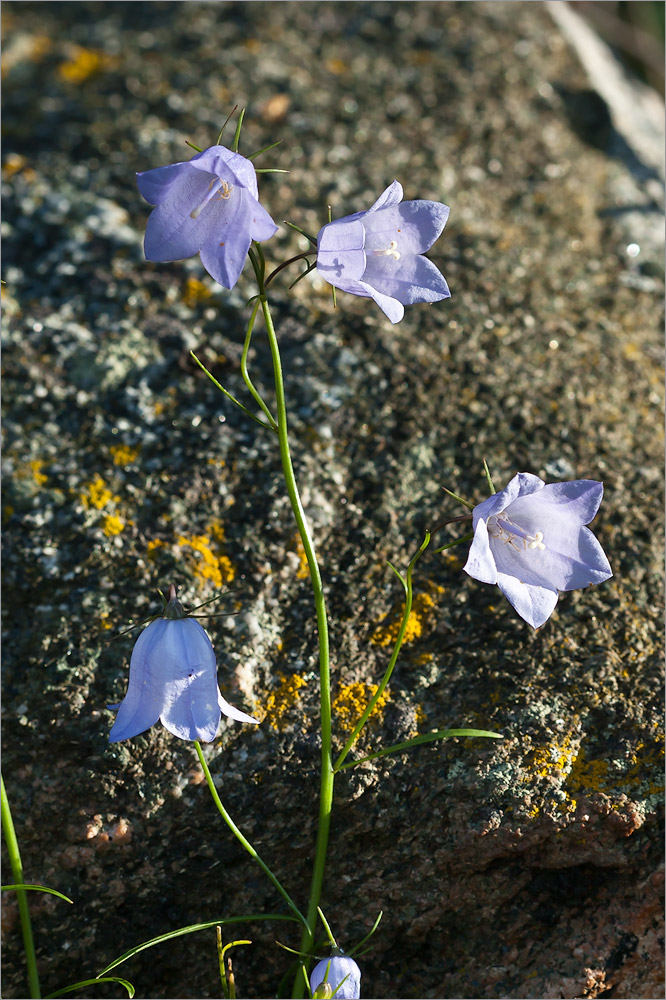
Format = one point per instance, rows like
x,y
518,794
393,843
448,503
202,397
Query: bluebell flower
x,y
207,205
531,540
379,253
173,678
333,971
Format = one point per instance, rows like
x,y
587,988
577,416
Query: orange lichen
x,y
352,700
282,700
97,494
84,64
122,454
195,292
423,604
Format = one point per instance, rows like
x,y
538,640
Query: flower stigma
x,y
217,184
508,532
391,251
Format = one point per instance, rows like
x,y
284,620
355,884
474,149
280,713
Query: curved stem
x,y
245,373
407,584
326,781
244,841
24,912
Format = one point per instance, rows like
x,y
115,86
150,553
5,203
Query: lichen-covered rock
x,y
521,868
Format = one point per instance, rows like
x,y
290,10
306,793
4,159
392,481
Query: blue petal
x,y
225,250
391,196
155,185
413,225
189,676
480,562
409,280
334,970
534,604
141,707
521,484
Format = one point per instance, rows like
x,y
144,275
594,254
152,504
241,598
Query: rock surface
x,y
528,867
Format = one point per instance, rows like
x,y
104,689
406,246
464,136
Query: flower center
x,y
391,251
502,528
216,185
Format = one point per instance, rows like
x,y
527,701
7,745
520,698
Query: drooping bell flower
x,y
378,254
531,540
173,678
338,977
207,205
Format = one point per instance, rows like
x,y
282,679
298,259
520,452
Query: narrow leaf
x,y
441,734
92,982
39,888
190,929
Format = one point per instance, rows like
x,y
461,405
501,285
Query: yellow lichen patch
x,y
195,292
122,454
113,525
281,701
303,571
152,546
209,566
97,494
422,605
36,469
104,620
84,64
352,700
556,757
14,164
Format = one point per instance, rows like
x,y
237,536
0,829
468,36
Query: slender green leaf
x,y
264,149
441,734
39,888
92,982
190,929
192,146
488,479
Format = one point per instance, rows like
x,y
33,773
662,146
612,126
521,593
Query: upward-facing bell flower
x,y
173,677
207,205
338,977
379,253
531,540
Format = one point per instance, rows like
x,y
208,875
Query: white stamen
x,y
499,526
217,184
392,251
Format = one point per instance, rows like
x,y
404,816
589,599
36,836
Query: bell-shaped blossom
x,y
531,540
173,678
206,205
333,971
379,253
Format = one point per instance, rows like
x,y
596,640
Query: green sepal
x,y
264,149
192,146
488,479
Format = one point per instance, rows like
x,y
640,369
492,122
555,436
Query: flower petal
x,y
534,604
221,161
334,970
391,196
480,562
413,225
225,250
172,233
340,255
189,676
410,279
580,499
141,707
522,484
393,309
155,185
234,713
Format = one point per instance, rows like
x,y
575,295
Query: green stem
x,y
244,841
24,911
407,584
326,781
246,374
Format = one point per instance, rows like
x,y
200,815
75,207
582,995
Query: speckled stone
x,y
522,868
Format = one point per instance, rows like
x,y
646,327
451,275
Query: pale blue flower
x,y
378,254
206,205
531,540
333,971
173,678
